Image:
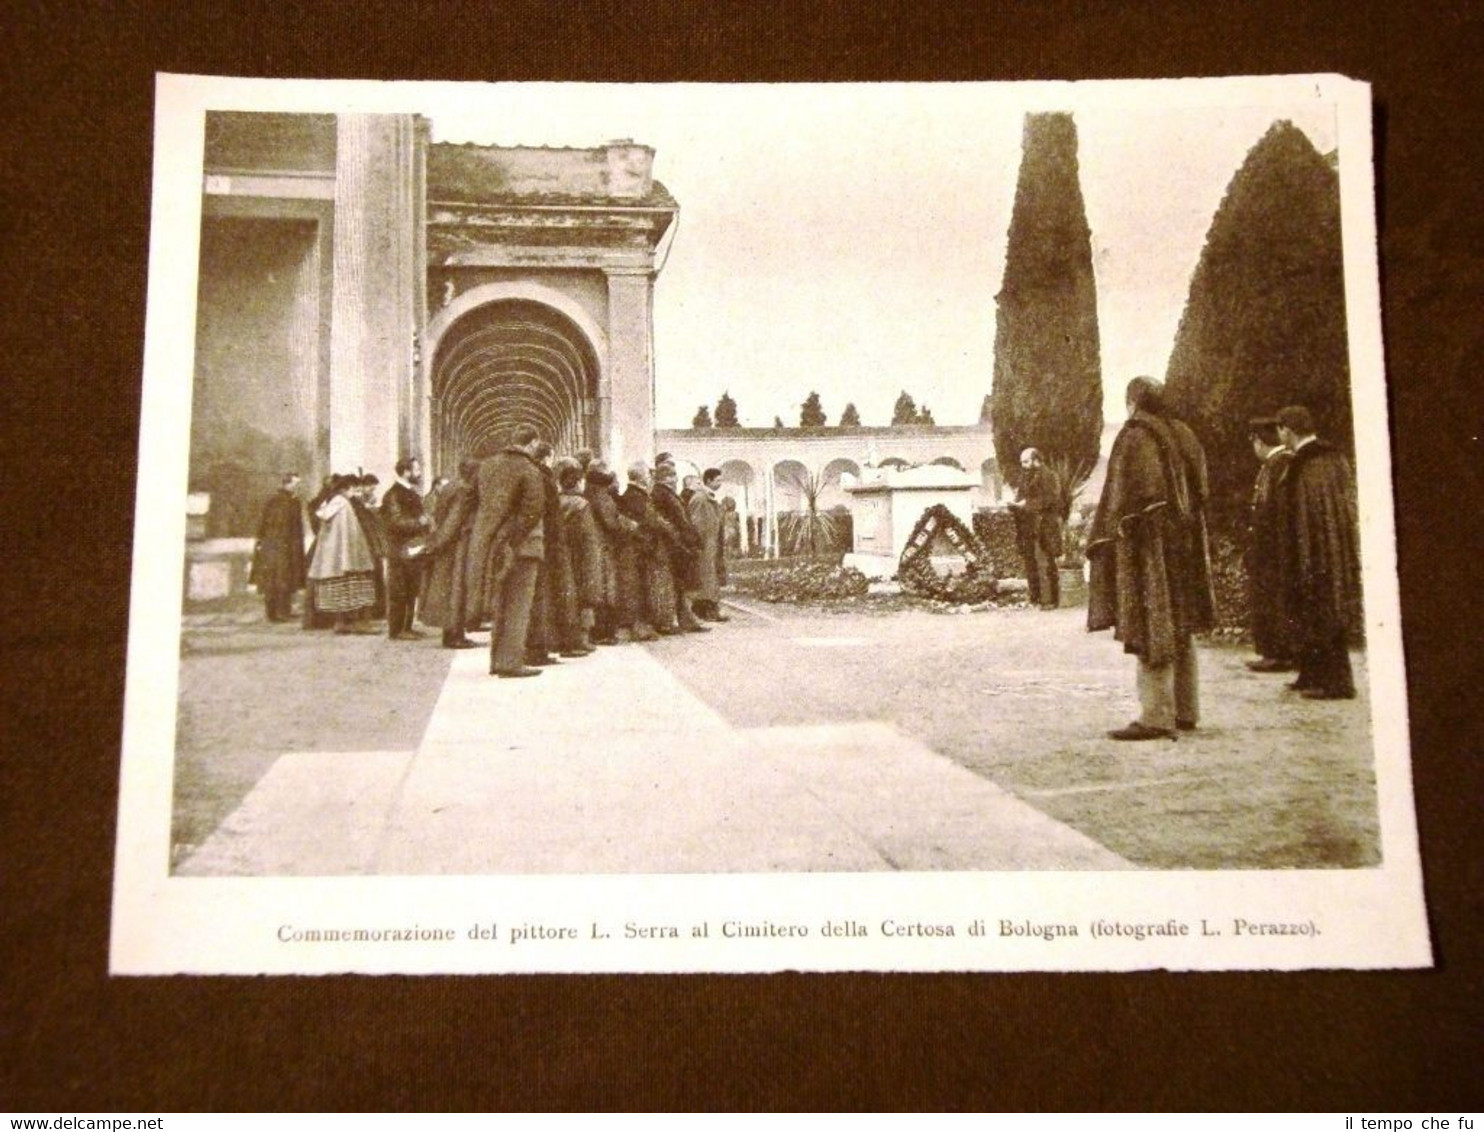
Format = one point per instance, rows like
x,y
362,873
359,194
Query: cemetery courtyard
x,y
824,736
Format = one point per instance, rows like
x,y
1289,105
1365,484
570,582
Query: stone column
x,y
630,377
372,321
421,440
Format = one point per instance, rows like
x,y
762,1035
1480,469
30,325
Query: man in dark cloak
x,y
1039,529
584,548
684,546
555,620
1150,561
620,615
706,517
506,547
444,597
1267,553
1323,550
278,561
651,546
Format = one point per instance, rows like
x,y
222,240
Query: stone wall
x,y
257,362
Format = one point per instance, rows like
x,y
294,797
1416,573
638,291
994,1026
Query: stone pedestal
x,y
216,569
886,504
1073,585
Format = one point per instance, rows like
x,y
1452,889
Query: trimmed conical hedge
x,y
1264,323
1048,389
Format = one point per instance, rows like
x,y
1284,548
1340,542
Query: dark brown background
x,y
78,81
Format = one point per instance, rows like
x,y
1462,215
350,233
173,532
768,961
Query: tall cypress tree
x,y
1048,388
1264,323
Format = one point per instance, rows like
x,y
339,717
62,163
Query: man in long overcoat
x,y
554,620
1323,551
1267,553
1150,560
444,597
584,548
706,519
684,546
278,560
506,548
651,544
1039,527
620,617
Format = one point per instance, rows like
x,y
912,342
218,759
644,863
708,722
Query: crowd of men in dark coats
x,y
555,557
1150,563
1304,558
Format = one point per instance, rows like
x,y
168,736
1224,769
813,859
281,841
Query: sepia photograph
x,y
747,527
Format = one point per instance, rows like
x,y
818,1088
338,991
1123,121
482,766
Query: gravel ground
x,y
251,691
1020,696
1270,780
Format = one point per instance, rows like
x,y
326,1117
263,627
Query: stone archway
x,y
739,482
832,493
507,362
791,480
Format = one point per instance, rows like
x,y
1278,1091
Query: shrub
x,y
812,581
995,531
1229,580
832,531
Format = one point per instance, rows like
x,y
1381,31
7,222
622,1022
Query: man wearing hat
x,y
651,548
1322,557
620,615
684,547
1267,552
584,551
554,621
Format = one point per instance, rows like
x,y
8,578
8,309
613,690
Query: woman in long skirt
x,y
343,570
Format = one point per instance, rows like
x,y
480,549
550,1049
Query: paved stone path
x,y
611,765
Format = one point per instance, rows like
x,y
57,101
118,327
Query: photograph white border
x,y
1352,918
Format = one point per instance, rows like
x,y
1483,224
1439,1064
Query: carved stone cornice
x,y
586,235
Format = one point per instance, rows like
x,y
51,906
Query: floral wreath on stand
x,y
915,568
